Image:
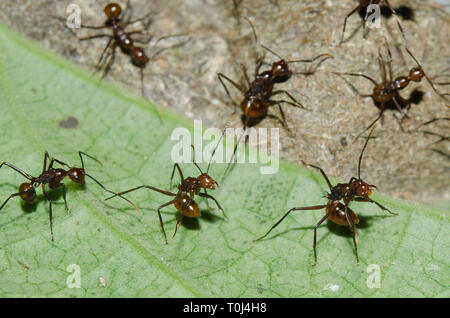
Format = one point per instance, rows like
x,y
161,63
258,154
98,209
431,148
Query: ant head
x,y
138,57
112,10
29,193
416,74
281,69
77,175
361,188
206,182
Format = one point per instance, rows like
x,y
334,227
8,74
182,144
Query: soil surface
x,y
184,76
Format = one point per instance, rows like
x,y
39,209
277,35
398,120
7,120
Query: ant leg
x,y
112,192
96,36
362,199
64,197
426,76
285,125
315,237
50,214
160,219
239,87
180,216
205,195
142,82
12,196
140,187
323,174
315,207
441,137
345,20
176,165
294,102
104,54
399,108
26,175
354,232
244,70
110,61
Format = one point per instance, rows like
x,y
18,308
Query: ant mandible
x,y
119,38
258,94
53,177
184,199
388,89
355,190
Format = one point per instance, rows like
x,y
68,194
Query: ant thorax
x,y
338,191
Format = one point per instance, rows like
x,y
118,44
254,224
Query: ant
x,y
187,189
53,177
364,4
387,90
120,38
355,190
258,94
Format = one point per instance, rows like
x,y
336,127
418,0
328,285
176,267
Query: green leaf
x,y
210,256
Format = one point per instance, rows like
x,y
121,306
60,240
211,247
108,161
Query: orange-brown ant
x,y
187,189
355,190
258,93
53,177
387,90
122,39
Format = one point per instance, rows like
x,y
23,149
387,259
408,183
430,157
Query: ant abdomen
x,y
336,213
29,194
77,175
190,210
138,57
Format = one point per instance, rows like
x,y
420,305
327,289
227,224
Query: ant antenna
x,y
272,51
80,153
214,151
362,151
193,159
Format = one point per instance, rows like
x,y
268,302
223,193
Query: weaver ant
x,y
120,38
53,177
184,199
387,91
363,5
355,190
